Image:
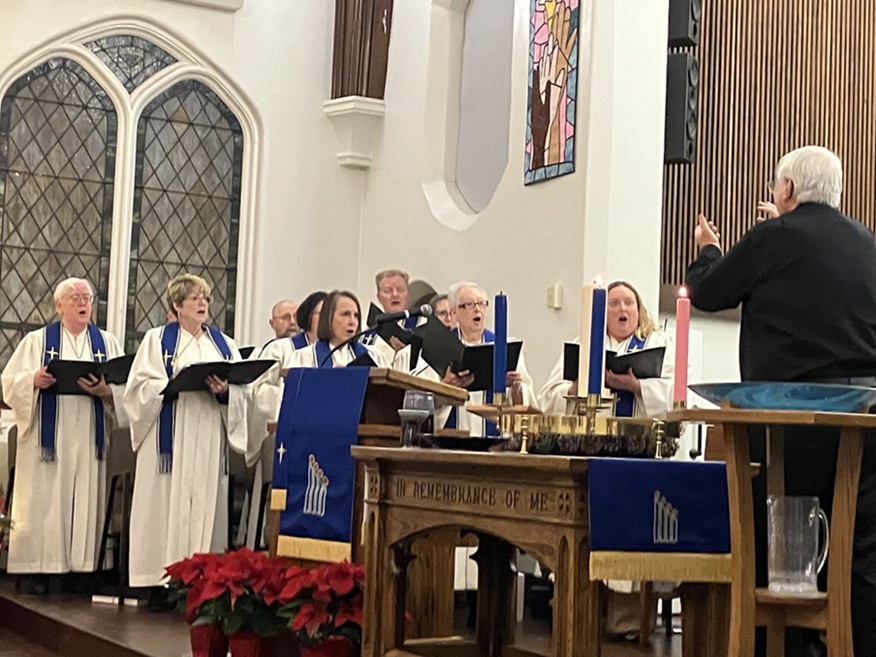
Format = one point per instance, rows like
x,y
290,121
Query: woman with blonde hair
x,y
628,327
181,489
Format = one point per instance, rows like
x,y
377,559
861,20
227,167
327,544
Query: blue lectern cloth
x,y
639,505
319,421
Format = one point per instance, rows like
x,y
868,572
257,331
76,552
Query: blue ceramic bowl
x,y
777,396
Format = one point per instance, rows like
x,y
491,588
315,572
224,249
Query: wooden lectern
x,y
430,590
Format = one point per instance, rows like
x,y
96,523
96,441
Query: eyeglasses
x,y
199,297
442,313
469,305
85,298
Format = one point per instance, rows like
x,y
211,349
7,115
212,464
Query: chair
x,y
120,461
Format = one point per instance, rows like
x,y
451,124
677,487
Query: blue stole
x,y
453,419
625,399
323,349
169,343
299,340
49,400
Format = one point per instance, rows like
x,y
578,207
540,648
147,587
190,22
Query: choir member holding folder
x,y
181,489
469,303
629,328
62,437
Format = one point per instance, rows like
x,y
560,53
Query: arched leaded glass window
x,y
186,204
58,133
131,59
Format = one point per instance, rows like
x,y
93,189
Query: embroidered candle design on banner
x,y
317,489
665,529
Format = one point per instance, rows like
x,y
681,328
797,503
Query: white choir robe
x,y
59,506
185,511
400,360
264,407
474,424
655,398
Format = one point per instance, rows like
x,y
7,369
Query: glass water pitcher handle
x,y
822,556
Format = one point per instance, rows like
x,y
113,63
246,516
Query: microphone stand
x,y
343,344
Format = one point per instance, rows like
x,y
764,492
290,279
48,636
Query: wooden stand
x,y
430,599
751,607
507,500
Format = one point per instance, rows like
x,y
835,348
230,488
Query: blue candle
x,y
596,364
500,348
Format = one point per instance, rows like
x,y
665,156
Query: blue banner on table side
x,y
319,421
639,505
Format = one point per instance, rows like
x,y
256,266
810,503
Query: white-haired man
x,y
62,440
806,280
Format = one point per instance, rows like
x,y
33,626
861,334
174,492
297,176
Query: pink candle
x,y
682,335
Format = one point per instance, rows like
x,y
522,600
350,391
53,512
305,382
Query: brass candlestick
x,y
524,434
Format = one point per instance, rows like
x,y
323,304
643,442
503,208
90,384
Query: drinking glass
x,y
417,413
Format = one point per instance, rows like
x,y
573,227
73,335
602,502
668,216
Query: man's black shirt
x,y
807,285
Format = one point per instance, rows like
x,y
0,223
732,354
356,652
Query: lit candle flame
x,y
598,280
682,292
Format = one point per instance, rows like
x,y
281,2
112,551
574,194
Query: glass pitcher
x,y
792,530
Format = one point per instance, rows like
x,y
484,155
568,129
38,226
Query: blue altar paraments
x,y
639,505
319,421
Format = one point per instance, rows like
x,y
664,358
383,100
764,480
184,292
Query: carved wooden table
x,y
535,503
750,607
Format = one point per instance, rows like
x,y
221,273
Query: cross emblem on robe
x,y
281,451
167,357
99,355
52,353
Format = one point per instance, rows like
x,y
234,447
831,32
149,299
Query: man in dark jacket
x,y
806,280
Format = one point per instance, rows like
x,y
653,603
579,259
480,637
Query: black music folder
x,y
193,377
442,349
388,330
645,363
246,352
67,372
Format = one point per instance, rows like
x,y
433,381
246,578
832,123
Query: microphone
x,y
425,311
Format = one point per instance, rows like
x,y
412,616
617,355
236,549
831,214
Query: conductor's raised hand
x,y
461,379
769,209
42,379
706,232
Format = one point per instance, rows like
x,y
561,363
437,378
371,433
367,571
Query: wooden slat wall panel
x,y
773,76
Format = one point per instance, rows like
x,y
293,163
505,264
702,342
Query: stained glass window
x,y
57,158
131,59
186,204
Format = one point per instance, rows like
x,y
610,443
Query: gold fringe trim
x,y
651,566
313,549
278,500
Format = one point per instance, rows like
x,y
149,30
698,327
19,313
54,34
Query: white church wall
x,y
604,218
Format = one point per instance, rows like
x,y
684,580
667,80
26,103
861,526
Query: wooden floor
x,y
71,626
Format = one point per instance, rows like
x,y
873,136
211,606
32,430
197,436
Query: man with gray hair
x,y
62,440
806,280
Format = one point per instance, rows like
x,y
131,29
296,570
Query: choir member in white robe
x,y
394,296
60,480
441,309
267,393
181,488
469,303
628,327
341,319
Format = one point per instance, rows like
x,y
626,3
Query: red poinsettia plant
x,y
230,590
324,603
